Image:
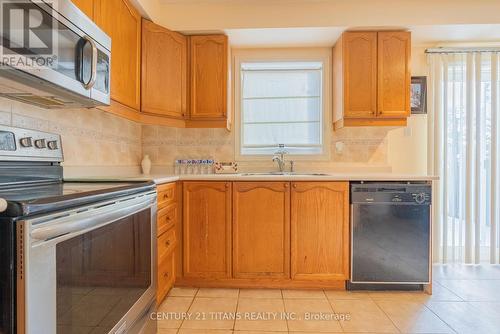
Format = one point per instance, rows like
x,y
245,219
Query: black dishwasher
x,y
390,231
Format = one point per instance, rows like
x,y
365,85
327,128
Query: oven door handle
x,y
71,226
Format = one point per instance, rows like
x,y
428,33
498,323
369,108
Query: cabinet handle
x,y
168,218
165,275
167,243
286,185
165,196
227,185
295,185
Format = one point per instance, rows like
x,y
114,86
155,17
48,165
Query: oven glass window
x,y
102,273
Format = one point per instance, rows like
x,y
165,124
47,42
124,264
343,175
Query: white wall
x,y
407,147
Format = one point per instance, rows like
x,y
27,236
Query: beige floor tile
x,y
474,290
204,331
211,313
439,293
309,294
261,293
306,312
413,317
218,293
259,314
365,316
183,292
465,317
173,311
346,295
166,331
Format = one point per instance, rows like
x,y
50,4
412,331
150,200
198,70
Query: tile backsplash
x,y
360,146
90,137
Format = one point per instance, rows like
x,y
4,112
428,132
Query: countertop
x,y
166,178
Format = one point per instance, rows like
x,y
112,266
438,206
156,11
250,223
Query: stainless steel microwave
x,y
52,55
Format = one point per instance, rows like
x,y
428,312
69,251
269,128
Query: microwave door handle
x,y
93,75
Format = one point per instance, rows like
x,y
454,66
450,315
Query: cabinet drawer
x,y
166,276
166,195
166,244
167,218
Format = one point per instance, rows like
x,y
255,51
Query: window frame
x,y
323,55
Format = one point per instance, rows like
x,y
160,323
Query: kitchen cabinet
x,y
166,242
122,22
372,78
208,77
207,230
86,6
394,78
320,231
261,230
164,71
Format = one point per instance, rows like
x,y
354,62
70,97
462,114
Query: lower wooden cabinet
x,y
320,230
166,276
166,242
265,234
261,229
207,229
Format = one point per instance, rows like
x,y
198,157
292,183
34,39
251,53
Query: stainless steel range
x,y
74,257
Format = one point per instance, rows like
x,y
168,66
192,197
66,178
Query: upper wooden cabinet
x,y
320,230
207,229
372,78
208,77
164,71
261,230
122,22
86,6
394,78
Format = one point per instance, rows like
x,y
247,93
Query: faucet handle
x,y
292,166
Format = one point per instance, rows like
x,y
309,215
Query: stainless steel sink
x,y
284,173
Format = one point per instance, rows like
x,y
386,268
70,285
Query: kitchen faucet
x,y
279,157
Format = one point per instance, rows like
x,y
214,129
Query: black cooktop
x,y
41,198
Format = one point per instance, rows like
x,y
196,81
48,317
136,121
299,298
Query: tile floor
x,y
466,299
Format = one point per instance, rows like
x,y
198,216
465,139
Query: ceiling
x,y
296,23
327,36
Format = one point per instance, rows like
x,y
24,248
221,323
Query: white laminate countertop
x,y
166,178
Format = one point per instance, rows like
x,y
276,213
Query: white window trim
x,y
323,55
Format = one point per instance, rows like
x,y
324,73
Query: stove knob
x,y
40,143
52,145
26,142
420,198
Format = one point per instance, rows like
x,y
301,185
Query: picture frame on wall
x,y
418,95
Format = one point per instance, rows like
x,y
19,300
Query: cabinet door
x,y
207,229
86,6
360,74
394,74
320,230
122,22
164,71
208,76
261,230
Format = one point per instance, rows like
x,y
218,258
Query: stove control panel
x,y
18,144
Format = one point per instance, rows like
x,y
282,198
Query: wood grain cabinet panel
x,y
261,230
86,6
208,77
394,78
371,78
320,230
122,22
207,229
164,71
360,74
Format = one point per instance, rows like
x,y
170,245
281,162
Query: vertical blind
x,y
281,103
464,124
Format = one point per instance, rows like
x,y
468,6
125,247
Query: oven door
x,y
89,270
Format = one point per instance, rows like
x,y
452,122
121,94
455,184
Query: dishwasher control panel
x,y
403,193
